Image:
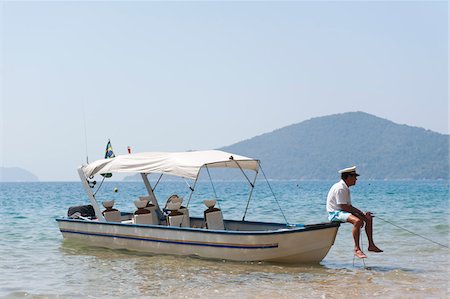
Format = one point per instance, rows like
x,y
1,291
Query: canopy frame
x,y
180,164
252,187
90,194
177,164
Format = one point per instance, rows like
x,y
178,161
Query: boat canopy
x,y
181,164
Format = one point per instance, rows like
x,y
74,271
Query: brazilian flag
x,y
109,153
109,150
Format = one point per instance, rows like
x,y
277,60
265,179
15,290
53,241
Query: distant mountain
x,y
319,147
16,174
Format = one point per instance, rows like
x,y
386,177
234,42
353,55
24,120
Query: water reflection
x,y
126,273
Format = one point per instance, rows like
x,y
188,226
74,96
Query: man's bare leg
x,y
369,233
355,232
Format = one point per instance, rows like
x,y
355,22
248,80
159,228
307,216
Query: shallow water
x,y
36,261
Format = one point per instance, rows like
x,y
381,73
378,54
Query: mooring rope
x,y
416,234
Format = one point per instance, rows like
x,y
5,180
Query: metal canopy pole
x,y
192,191
250,195
149,188
190,196
212,185
245,175
91,195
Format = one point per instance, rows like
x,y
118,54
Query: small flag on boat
x,y
109,151
108,154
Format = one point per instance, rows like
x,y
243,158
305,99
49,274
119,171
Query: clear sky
x,y
175,76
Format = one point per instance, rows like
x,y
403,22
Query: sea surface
x,y
35,261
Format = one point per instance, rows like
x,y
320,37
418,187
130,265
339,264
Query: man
x,y
339,207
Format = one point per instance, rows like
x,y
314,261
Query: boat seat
x,y
110,214
213,216
142,215
154,213
175,217
173,198
186,222
146,198
214,220
149,207
174,204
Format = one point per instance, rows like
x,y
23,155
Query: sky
x,y
176,76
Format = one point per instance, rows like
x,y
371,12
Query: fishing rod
x,y
437,243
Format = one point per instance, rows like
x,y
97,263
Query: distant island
x,y
317,148
16,174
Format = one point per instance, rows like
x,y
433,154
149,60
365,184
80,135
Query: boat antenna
x,y
85,131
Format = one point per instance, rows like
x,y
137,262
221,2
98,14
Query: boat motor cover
x,y
85,211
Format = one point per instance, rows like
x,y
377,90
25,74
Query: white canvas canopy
x,y
181,164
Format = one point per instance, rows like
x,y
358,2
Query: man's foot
x,y
360,254
374,249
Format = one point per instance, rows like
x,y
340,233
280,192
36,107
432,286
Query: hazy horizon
x,y
119,177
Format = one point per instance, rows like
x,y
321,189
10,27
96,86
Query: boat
x,y
170,230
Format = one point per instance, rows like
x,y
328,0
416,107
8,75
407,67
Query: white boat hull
x,y
308,244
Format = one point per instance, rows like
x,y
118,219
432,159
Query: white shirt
x,y
338,194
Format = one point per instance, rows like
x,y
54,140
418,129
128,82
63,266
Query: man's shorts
x,y
341,216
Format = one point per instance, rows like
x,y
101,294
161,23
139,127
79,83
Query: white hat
x,y
349,170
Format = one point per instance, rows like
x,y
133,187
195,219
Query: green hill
x,y
16,174
319,147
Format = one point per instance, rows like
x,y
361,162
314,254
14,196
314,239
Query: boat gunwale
x,y
287,229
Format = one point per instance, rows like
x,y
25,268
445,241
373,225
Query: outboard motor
x,y
84,211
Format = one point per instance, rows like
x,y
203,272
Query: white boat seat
x,y
112,215
142,215
145,198
174,203
214,220
186,222
176,217
175,198
213,216
152,209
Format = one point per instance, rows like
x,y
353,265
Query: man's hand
x,y
366,217
363,219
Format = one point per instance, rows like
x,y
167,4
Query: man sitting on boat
x,y
339,207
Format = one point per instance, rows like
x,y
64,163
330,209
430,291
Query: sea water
x,y
35,261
